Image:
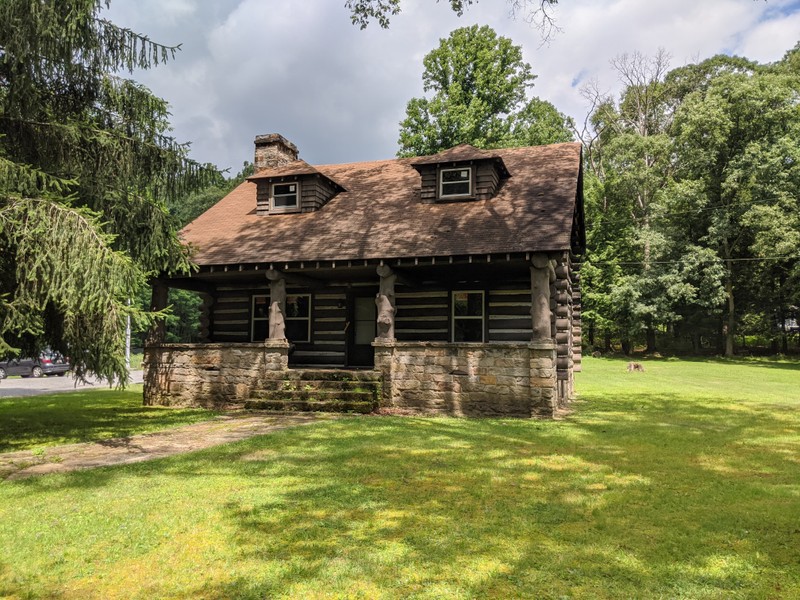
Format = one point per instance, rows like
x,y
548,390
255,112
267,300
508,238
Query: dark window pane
x,y
284,201
297,306
260,307
467,330
260,329
285,189
455,175
475,305
455,189
297,331
467,304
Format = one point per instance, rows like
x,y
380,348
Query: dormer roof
x,y
460,154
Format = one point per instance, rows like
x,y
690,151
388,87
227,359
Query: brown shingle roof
x,y
381,216
459,153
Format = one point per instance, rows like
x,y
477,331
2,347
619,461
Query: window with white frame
x,y
298,318
285,197
259,325
455,182
468,316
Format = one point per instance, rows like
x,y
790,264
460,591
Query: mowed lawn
x,y
36,422
680,482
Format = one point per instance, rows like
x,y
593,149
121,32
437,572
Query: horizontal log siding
x,y
510,315
423,316
230,313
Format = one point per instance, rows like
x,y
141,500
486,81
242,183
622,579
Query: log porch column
x,y
540,297
385,302
158,301
277,305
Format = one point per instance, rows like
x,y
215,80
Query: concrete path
x,y
138,448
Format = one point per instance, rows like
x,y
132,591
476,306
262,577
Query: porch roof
x,y
381,216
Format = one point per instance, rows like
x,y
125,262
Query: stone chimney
x,y
273,150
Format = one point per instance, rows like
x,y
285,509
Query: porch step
x,y
324,390
314,395
339,406
296,385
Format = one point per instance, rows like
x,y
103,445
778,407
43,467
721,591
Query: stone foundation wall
x,y
470,379
209,375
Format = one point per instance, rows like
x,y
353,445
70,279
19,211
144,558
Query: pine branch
x,y
65,261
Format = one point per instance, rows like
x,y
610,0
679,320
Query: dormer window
x,y
293,188
455,182
461,174
285,197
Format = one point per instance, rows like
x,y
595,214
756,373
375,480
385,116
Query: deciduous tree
x,y
479,85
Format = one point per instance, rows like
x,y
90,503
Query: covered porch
x,y
466,335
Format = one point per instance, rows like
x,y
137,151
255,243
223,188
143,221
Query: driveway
x,y
30,386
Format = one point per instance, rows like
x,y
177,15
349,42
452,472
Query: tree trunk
x,y
650,335
607,342
626,346
729,327
158,301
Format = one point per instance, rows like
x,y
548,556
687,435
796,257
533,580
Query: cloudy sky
x,y
300,68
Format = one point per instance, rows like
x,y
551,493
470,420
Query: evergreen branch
x,y
152,161
25,179
65,262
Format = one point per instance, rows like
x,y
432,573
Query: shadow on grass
x,y
84,416
680,506
635,495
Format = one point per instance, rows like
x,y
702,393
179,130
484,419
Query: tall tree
x,y
630,154
479,86
693,211
736,139
86,165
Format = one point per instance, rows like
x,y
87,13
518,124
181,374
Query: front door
x,y
362,332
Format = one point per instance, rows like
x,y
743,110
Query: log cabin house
x,y
445,283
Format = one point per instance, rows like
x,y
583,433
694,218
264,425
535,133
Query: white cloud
x,y
303,70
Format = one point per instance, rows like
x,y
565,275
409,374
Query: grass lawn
x,y
680,482
64,418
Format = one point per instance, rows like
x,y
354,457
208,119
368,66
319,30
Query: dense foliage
x,y
692,205
182,323
479,86
86,166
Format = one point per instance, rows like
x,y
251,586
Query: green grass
x,y
38,421
680,482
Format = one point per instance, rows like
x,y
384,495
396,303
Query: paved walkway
x,y
147,446
36,386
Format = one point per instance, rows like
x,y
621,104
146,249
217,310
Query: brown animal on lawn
x,y
634,366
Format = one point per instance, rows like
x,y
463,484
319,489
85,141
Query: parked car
x,y
47,363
